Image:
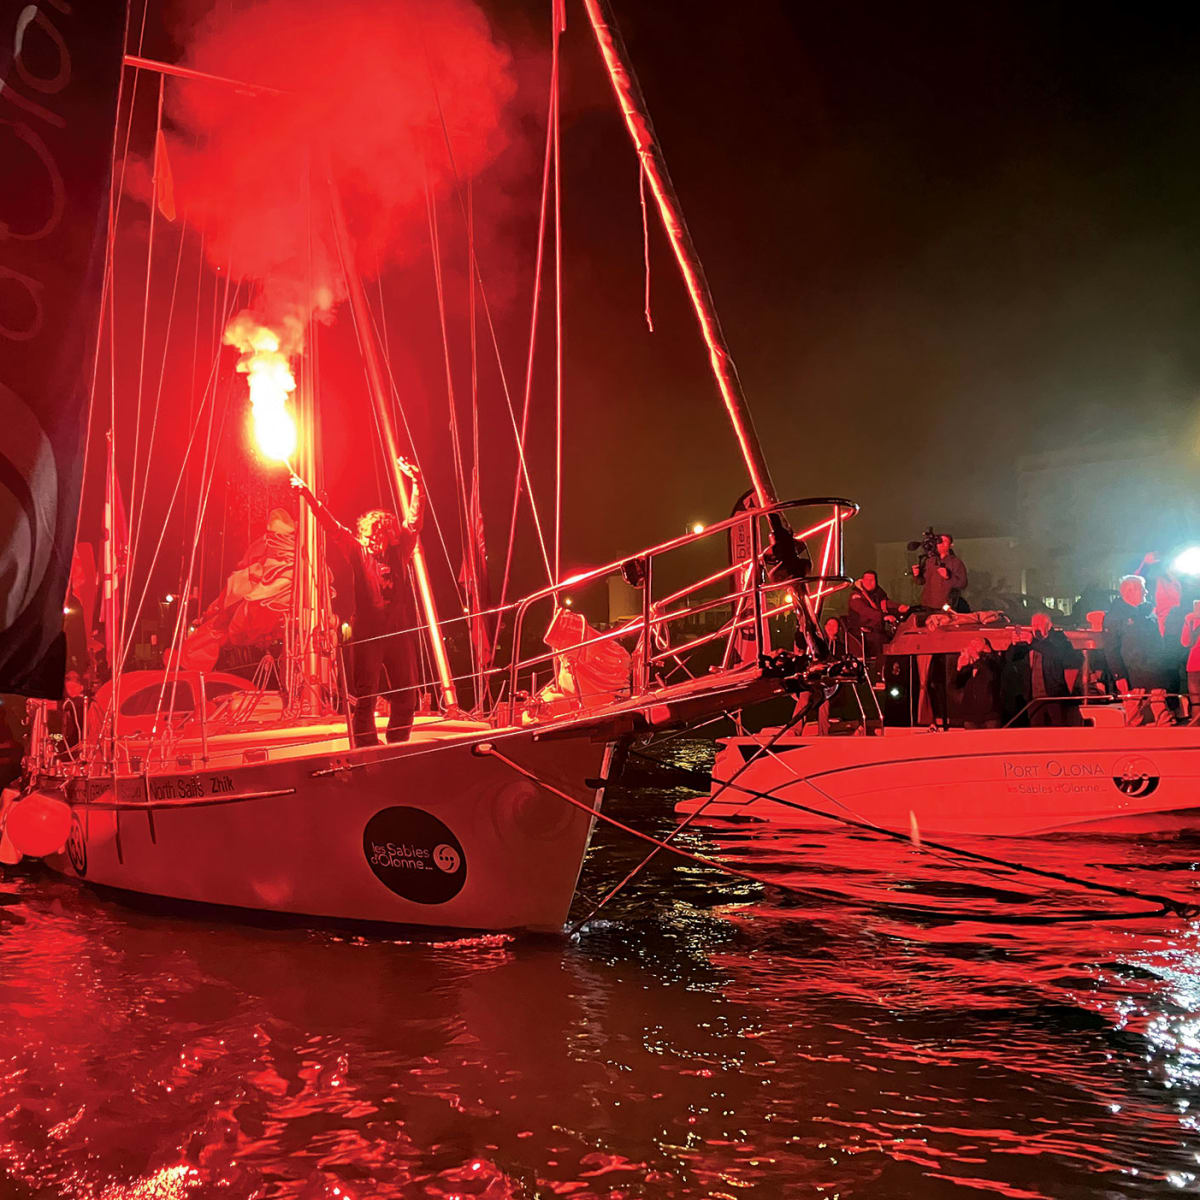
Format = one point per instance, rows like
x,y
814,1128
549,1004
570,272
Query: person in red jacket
x,y
1189,639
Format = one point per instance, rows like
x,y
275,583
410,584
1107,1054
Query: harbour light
x,y
1187,562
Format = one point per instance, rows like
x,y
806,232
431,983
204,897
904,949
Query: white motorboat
x,y
1103,776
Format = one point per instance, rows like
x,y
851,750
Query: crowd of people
x,y
1149,653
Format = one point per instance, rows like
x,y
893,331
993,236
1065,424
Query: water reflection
x,y
703,1037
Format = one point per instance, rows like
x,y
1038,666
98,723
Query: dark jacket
x,y
1058,657
979,684
374,593
865,613
937,592
1133,645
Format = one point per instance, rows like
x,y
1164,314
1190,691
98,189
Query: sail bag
x,y
60,68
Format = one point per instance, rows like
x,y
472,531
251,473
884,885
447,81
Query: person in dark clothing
x,y
867,621
376,601
73,710
1133,646
942,576
1042,659
978,678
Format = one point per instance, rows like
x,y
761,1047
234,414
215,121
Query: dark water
x,y
909,1028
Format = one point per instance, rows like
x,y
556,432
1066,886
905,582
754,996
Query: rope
x,y
645,240
783,729
1165,903
914,911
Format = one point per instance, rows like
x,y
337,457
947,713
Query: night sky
x,y
939,237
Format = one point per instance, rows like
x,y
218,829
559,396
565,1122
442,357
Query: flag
x,y
254,603
164,180
51,274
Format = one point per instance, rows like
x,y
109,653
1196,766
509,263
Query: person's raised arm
x,y
332,526
416,500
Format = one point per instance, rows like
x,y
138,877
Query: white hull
x,y
432,833
1010,783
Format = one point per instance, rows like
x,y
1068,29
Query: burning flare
x,y
267,367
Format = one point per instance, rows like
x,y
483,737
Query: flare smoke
x,y
376,98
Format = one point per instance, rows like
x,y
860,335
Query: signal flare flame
x,y
268,372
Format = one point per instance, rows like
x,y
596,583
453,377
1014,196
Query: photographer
x,y
940,572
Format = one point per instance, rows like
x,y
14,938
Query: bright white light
x,y
698,527
1187,562
568,601
170,598
895,692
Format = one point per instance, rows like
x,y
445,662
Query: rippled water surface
x,y
877,1022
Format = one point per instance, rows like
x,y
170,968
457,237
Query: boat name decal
x,y
1133,774
415,855
1055,775
163,787
1054,768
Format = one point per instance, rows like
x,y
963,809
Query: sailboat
x,y
187,786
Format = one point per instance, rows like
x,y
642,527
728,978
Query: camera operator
x,y
940,572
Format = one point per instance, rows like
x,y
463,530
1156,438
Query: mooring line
x,y
1166,903
889,908
783,730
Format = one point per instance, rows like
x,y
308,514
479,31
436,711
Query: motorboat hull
x,y
438,834
1007,783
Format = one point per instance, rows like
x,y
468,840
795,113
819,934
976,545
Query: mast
x,y
310,614
645,141
383,415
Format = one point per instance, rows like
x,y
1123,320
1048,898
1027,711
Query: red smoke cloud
x,y
364,89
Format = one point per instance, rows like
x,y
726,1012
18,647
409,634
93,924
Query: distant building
x,y
1089,512
1086,514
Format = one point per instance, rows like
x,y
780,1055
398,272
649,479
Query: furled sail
x,y
60,69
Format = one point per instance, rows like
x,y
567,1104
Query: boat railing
x,y
745,592
1160,706
721,618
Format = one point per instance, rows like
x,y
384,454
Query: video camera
x,y
927,545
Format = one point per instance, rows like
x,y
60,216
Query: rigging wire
x,y
208,469
135,537
398,407
451,402
559,20
141,378
522,466
477,280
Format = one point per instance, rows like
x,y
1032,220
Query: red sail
x,y
60,68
